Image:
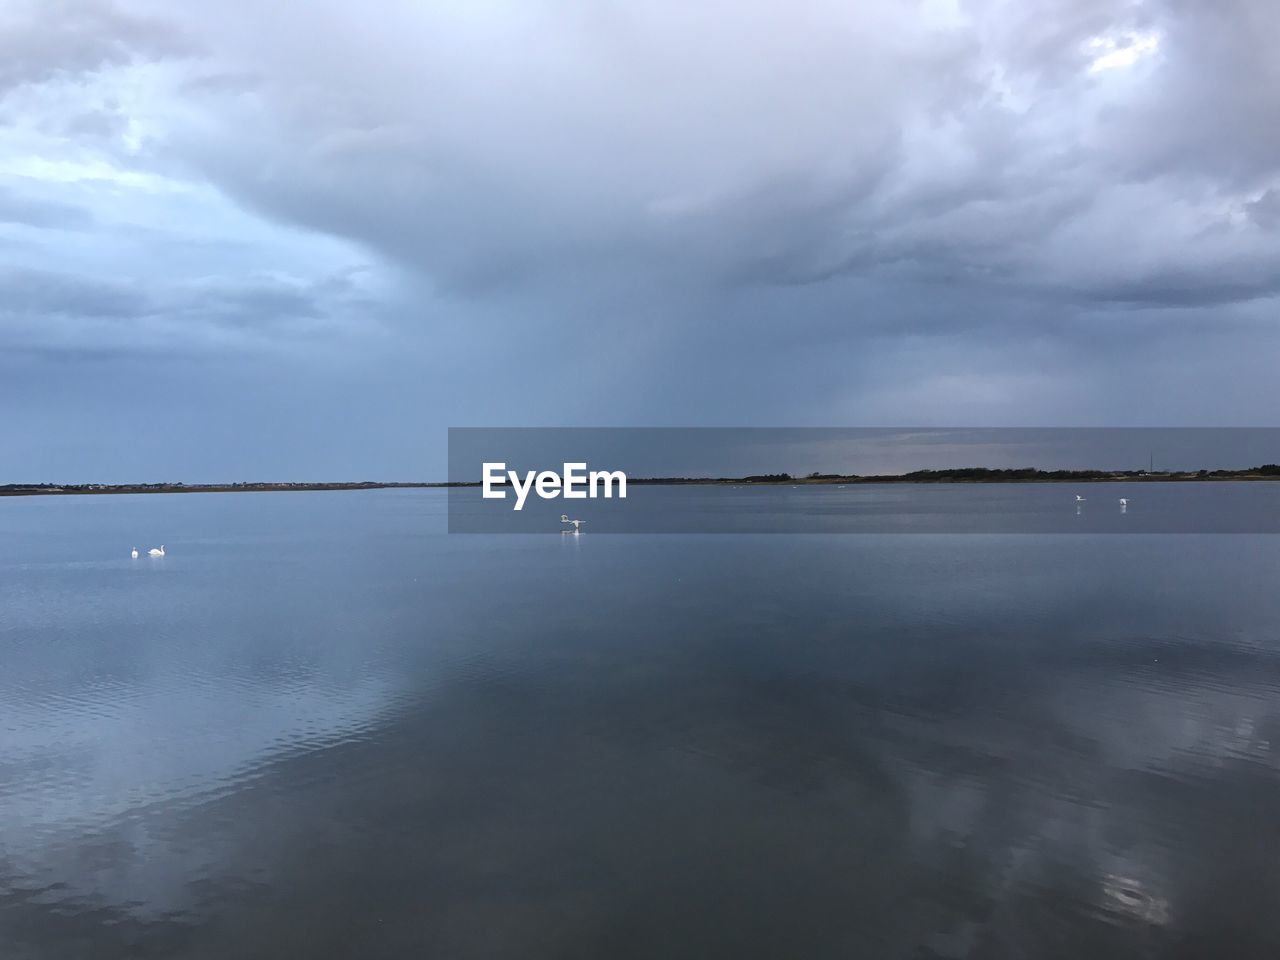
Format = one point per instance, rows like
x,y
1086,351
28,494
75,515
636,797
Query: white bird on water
x,y
156,551
1124,501
1079,499
577,524
135,553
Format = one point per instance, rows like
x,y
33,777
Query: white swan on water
x,y
135,553
577,524
156,551
1124,502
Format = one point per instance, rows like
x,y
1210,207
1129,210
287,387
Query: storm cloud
x,y
936,212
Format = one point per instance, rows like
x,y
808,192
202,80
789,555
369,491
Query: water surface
x,y
323,727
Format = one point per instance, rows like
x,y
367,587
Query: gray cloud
x,y
46,310
775,148
104,123
15,208
47,294
42,40
1265,211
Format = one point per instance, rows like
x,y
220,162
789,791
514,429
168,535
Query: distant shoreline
x,y
97,489
961,475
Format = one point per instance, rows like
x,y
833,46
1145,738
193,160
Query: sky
x,y
300,240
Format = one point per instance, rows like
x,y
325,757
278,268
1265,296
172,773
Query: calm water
x,y
982,508
322,727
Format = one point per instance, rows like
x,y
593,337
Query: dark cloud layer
x,y
982,211
43,40
40,213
